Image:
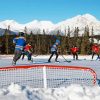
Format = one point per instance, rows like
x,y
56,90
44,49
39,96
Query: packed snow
x,y
72,92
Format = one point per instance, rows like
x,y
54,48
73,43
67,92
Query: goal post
x,y
47,76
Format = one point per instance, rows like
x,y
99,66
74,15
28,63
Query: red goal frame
x,y
21,67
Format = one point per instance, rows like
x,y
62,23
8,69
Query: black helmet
x,y
21,33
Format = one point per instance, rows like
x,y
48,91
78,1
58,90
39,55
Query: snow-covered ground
x,y
72,92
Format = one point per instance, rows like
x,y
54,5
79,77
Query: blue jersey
x,y
54,48
58,41
20,43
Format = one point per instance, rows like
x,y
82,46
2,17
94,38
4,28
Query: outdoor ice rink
x,y
84,61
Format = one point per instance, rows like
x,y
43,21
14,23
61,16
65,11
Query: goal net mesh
x,y
47,76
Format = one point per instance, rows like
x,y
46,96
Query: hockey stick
x,y
66,59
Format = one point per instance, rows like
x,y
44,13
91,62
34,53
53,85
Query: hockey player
x,y
0,48
95,50
74,51
54,50
19,42
28,52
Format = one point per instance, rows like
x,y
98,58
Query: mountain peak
x,y
9,21
89,17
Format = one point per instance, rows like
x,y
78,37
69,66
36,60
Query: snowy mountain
x,y
47,25
78,21
14,26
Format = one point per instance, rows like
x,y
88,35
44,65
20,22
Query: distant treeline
x,y
41,43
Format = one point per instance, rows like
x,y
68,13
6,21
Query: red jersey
x,y
74,49
95,48
27,47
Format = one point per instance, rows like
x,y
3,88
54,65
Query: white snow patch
x,y
72,92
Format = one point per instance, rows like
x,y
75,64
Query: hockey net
x,y
46,76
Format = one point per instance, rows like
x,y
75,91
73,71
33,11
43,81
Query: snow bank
x,y
73,92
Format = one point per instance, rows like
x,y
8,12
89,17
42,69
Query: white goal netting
x,y
47,76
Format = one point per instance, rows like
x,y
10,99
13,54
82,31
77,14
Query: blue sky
x,y
25,11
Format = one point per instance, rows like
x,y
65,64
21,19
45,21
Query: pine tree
x,y
69,42
75,37
92,35
44,43
25,32
6,34
68,35
85,46
78,40
64,43
31,39
38,43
